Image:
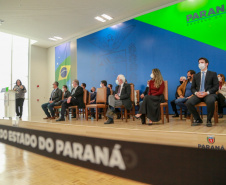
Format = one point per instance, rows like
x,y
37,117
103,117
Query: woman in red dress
x,y
151,103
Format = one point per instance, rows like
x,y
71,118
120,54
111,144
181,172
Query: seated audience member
x,y
92,99
76,98
103,83
204,85
121,97
221,94
110,86
151,103
66,95
184,92
145,93
173,104
55,96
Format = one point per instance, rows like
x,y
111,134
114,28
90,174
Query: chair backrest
x,y
101,96
165,92
138,96
85,96
89,99
112,92
132,92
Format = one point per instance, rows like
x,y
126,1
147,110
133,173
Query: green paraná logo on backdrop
x,y
206,14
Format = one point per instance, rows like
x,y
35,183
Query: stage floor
x,y
21,167
177,132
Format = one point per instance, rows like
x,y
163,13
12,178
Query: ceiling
x,y
41,19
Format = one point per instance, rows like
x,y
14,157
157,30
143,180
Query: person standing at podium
x,y
20,95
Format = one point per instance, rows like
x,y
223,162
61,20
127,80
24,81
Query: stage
x,y
178,134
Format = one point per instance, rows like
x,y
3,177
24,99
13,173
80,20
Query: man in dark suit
x,y
121,97
204,85
55,96
76,98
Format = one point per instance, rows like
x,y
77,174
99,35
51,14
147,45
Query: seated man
x,y
184,93
122,97
66,95
83,85
55,96
145,93
173,104
76,98
204,85
110,86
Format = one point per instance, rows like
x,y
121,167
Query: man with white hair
x,y
121,97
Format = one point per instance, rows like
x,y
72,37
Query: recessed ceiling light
x,y
107,17
100,19
52,39
33,41
59,38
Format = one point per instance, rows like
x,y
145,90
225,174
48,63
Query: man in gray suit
x,y
55,96
121,97
204,86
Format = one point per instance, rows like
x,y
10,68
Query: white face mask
x,y
100,85
116,81
152,76
72,85
202,66
147,85
62,90
219,79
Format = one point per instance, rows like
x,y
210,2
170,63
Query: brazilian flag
x,y
63,65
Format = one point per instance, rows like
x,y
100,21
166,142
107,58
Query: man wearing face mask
x,y
76,98
184,92
173,104
204,86
145,93
121,97
55,96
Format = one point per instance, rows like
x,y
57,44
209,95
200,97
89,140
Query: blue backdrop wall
x,y
134,48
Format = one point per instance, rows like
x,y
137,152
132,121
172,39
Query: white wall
x,y
39,75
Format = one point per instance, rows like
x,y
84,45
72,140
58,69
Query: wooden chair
x,y
56,108
138,97
112,92
132,112
165,104
101,102
199,109
71,108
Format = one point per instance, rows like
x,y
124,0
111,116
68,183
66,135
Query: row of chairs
x,y
101,102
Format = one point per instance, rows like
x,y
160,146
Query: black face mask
x,y
181,82
91,91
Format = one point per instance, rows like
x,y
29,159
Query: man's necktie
x,y
203,82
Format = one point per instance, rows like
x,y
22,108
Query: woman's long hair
x,y
18,80
223,78
157,77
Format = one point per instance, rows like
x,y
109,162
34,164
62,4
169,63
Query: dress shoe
x,y
46,117
197,122
137,117
209,123
109,121
220,116
175,115
61,119
74,116
52,118
100,117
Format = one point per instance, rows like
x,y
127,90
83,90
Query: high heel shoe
x,y
136,117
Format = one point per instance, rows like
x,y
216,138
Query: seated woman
x,y
221,94
151,103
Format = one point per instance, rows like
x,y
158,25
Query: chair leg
x,y
133,114
97,114
77,112
167,113
180,113
201,113
122,114
191,117
125,111
86,114
162,114
216,114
